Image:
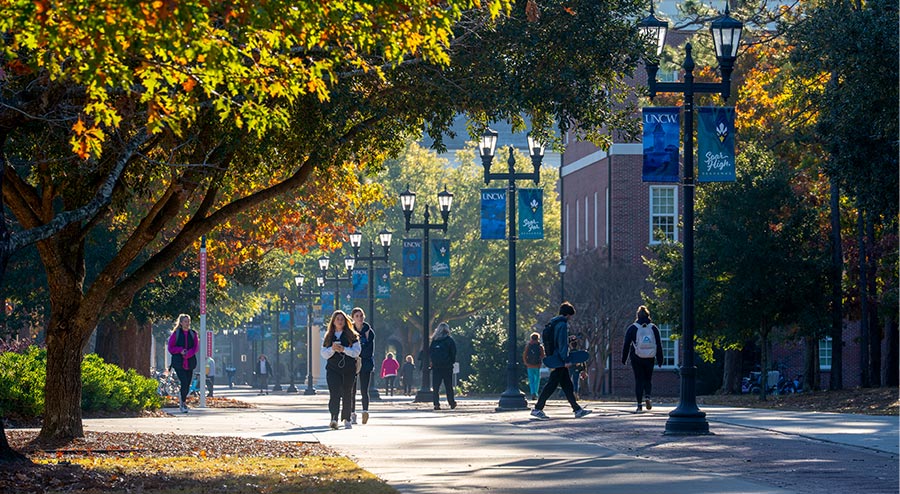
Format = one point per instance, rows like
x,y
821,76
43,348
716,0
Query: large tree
x,y
216,110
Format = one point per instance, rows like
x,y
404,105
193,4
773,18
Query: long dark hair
x,y
642,316
352,335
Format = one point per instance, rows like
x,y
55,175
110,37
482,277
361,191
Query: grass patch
x,y
234,475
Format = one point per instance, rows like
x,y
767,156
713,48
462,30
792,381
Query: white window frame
x,y
568,229
674,215
596,220
670,347
577,225
823,343
586,236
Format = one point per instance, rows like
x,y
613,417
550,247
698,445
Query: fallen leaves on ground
x,y
163,463
867,401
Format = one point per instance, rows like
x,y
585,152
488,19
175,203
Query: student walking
x,y
556,345
443,356
533,355
341,349
183,345
367,368
407,374
263,371
643,346
389,369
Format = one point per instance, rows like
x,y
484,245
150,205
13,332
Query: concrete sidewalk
x,y
418,450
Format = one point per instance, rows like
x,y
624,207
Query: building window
x,y
596,221
577,224
586,223
663,213
666,75
825,353
669,345
607,216
568,249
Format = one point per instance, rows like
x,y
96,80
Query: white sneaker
x,y
539,414
347,424
333,424
582,412
353,418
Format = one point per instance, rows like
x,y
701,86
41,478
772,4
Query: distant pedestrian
x,y
184,343
576,371
557,349
443,356
643,346
407,374
263,371
210,375
367,367
533,355
341,349
389,369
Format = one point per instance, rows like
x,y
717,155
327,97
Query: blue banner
x,y
327,298
359,279
302,316
284,319
382,282
347,304
662,128
412,257
254,333
715,145
440,257
493,214
531,214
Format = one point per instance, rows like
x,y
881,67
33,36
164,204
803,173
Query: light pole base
x,y
424,396
373,394
687,425
291,388
309,391
277,387
511,400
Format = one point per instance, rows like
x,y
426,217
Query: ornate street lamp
x,y
324,264
512,398
408,202
384,237
687,419
309,297
562,280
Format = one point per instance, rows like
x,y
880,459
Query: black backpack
x,y
440,353
533,355
549,337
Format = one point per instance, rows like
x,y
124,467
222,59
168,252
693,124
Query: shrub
x,y
106,387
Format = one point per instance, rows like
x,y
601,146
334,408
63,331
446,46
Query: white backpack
x,y
644,341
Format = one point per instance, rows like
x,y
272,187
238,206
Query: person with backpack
x,y
642,346
533,356
556,346
367,358
443,356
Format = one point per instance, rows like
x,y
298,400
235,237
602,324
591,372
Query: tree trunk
x,y
863,299
125,343
837,269
110,340
891,364
811,364
62,391
731,379
875,335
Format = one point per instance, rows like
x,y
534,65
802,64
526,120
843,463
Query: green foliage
x,y
107,387
22,382
488,359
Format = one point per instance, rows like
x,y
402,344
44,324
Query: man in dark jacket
x,y
443,355
558,362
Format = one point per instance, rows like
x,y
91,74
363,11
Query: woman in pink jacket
x,y
183,345
389,368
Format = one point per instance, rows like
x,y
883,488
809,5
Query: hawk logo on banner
x,y
382,282
440,257
715,145
531,214
359,281
662,127
412,257
493,214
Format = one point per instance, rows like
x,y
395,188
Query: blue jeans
x,y
534,380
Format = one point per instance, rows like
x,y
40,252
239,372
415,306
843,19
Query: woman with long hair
x,y
184,343
443,355
341,349
644,348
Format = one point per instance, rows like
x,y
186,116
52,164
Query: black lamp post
x,y
308,296
324,262
279,306
289,305
408,202
562,280
687,419
512,398
384,237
